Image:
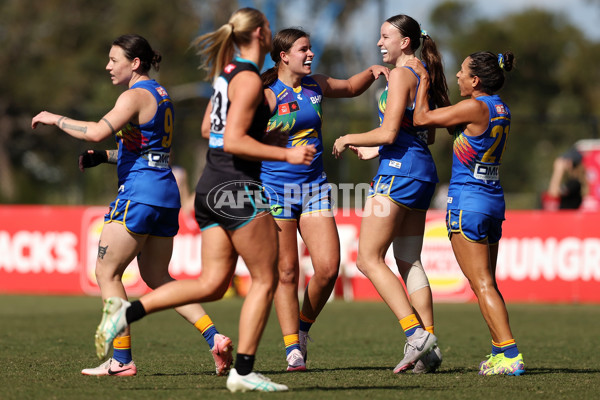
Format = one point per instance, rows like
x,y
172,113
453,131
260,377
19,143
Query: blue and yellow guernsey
x,y
298,115
475,183
143,167
409,155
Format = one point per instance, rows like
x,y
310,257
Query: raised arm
x,y
470,112
353,86
126,108
400,82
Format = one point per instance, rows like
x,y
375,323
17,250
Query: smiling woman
x,y
300,196
404,185
475,211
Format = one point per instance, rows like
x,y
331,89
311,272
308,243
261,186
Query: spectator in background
x,y
567,183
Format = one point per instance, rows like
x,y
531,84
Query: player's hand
x,y
365,153
418,67
339,146
378,70
300,154
276,137
45,118
91,158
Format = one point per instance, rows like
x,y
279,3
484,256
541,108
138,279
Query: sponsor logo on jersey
x,y
287,108
316,99
395,164
486,172
215,141
158,159
283,109
229,68
500,109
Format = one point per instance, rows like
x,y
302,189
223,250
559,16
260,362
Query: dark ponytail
x,y
433,59
269,76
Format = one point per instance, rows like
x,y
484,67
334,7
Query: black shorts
x,y
230,204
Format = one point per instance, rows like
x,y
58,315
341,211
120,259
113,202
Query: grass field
x,y
46,341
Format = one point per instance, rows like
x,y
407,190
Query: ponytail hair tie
x,y
501,61
424,33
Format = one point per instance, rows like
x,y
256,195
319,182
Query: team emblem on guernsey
x,y
161,91
229,68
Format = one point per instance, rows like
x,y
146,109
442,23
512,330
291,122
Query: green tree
x,y
54,54
552,92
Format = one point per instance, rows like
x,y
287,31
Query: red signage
x,y
544,256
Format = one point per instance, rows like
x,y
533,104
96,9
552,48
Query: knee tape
x,y
408,250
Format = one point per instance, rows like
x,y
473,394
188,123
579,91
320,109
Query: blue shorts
x,y
290,201
474,226
143,219
407,192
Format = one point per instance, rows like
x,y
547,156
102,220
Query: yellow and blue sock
x,y
508,347
410,324
291,343
305,322
122,349
208,330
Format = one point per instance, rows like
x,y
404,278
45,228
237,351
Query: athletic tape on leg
x,y
408,250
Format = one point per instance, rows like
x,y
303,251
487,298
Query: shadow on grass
x,y
276,372
528,371
443,372
541,371
320,370
366,387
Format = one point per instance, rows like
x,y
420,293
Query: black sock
x,y
134,312
244,363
